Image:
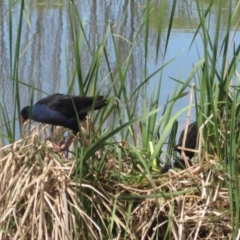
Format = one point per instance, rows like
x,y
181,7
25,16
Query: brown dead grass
x,y
41,200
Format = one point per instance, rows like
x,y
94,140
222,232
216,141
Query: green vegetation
x,y
114,190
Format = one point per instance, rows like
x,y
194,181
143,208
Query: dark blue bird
x,y
62,110
191,140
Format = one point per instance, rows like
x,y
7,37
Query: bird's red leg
x,y
63,145
66,144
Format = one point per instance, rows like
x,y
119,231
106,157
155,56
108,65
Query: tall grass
x,y
113,189
16,93
11,126
217,97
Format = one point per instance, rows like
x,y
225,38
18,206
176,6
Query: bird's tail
x,y
99,103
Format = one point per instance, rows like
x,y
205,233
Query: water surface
x,y
47,58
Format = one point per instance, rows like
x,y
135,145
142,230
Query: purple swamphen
x,y
62,110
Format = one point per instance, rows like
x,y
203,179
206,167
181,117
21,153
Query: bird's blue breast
x,y
41,113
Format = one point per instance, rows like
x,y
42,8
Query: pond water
x,y
46,45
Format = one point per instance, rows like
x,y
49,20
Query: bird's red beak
x,y
23,120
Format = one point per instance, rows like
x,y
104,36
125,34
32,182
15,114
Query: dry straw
x,y
41,200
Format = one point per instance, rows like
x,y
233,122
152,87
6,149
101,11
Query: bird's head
x,y
24,114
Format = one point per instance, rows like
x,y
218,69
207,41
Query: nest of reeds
x,y
44,197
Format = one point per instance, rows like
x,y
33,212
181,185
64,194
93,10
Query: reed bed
x,y
110,190
43,198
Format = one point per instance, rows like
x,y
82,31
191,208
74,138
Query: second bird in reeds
x,y
190,143
191,140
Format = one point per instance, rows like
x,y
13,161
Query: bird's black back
x,y
70,105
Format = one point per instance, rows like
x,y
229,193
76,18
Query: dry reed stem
x,y
187,125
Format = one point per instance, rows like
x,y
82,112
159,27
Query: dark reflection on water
x,y
47,59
